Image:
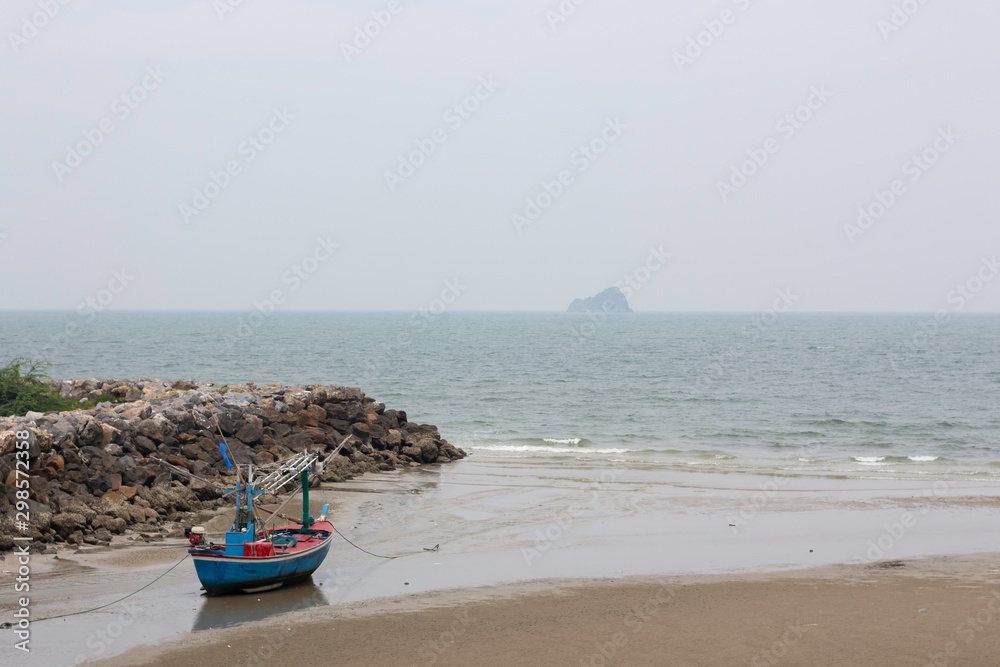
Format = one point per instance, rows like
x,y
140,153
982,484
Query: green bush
x,y
23,389
104,398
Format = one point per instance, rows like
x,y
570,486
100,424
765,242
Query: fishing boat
x,y
255,558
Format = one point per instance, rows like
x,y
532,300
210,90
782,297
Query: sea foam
x,y
869,460
536,449
567,441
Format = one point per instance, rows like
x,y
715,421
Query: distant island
x,y
610,300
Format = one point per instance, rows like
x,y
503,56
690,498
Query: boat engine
x,y
195,535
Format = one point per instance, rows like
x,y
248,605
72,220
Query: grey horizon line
x,y
798,312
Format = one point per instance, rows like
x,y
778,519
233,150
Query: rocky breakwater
x,y
96,475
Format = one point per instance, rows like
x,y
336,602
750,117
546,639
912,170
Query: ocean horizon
x,y
861,395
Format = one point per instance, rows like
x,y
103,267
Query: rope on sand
x,y
365,550
77,613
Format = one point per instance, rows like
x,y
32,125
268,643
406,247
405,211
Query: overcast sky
x,y
314,121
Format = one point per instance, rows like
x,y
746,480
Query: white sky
x,y
655,186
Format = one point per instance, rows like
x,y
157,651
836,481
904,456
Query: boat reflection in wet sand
x,y
256,559
228,611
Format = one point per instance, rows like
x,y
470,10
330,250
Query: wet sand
x,y
942,611
508,530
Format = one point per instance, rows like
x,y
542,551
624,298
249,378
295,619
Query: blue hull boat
x,y
265,564
254,558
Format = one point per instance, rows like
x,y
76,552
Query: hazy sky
x,y
313,122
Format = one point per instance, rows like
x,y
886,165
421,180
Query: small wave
x,y
923,459
833,421
869,460
546,450
567,441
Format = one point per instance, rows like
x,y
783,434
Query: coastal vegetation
x,y
23,389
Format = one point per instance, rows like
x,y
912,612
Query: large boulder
x,y
182,420
90,434
415,453
388,420
99,483
8,442
252,430
192,452
41,515
298,442
123,464
156,428
173,459
311,416
114,524
63,433
266,410
76,506
67,523
428,450
228,422
138,410
150,429
116,508
140,476
109,435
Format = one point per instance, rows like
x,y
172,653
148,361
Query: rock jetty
x,y
96,474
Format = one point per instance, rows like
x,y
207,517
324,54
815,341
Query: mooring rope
x,y
77,613
365,550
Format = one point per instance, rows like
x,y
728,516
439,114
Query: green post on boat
x,y
305,501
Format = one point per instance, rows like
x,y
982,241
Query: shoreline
x,y
515,530
890,613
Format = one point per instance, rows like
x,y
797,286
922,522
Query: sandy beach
x,y
940,611
545,564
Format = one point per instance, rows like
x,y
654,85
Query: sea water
x,y
854,395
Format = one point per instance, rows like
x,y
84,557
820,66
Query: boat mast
x,y
304,476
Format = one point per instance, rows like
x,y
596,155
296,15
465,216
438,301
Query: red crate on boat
x,y
258,549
